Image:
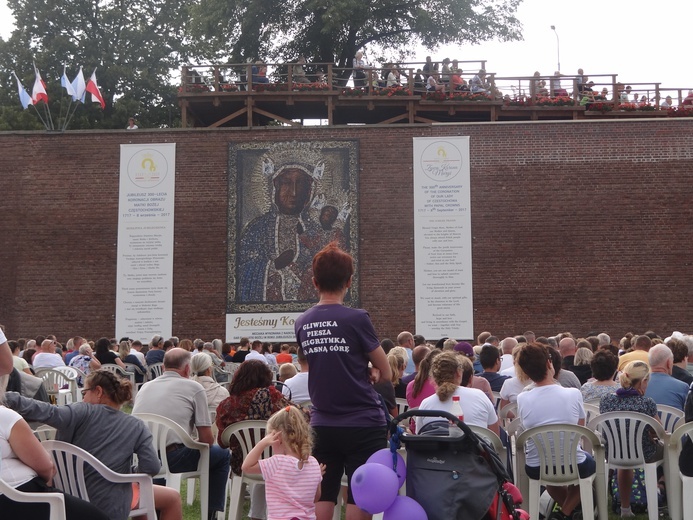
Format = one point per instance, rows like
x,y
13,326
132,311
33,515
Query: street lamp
x,y
558,47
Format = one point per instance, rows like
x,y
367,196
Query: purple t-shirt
x,y
336,341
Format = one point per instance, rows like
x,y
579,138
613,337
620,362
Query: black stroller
x,y
451,472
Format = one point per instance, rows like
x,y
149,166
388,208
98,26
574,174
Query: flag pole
x,y
69,120
39,114
48,112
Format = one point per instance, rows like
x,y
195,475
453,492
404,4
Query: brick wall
x,y
576,226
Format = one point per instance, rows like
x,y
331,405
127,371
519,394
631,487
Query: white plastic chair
x,y
45,433
504,414
494,440
679,486
591,411
161,428
247,433
402,405
131,367
155,370
59,385
624,448
55,501
669,416
557,446
76,374
71,463
498,399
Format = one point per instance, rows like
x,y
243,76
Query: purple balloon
x,y
384,457
405,508
374,487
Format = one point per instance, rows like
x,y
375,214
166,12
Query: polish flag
x,y
39,93
93,89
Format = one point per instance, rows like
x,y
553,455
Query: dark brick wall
x,y
576,226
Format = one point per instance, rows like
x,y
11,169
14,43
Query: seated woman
x,y
85,361
631,398
27,467
422,386
452,374
478,83
103,352
252,396
433,85
98,426
398,359
126,356
550,403
457,82
604,365
201,368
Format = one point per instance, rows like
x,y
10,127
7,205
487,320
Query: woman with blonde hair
x,y
201,369
126,356
398,359
631,398
452,374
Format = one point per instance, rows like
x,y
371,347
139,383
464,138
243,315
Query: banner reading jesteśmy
x,y
144,293
443,238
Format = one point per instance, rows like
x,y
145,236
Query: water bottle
x,y
457,408
454,430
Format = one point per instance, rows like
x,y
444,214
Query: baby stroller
x,y
451,472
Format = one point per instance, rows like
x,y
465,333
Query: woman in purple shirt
x,y
347,416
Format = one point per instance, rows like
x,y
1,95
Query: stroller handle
x,y
433,413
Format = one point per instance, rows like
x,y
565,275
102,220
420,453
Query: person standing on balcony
x,y
360,65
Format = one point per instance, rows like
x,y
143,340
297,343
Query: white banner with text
x,y
443,238
144,293
264,326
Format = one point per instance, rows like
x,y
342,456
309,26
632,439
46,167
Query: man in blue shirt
x,y
663,388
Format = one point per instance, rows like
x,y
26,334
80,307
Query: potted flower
x,y
397,90
353,92
436,95
600,106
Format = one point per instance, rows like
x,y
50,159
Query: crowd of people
x,y
447,76
327,408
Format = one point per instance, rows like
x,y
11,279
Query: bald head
x,y
567,347
661,358
405,339
48,345
483,337
177,360
508,344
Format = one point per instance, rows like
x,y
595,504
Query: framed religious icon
x,y
287,200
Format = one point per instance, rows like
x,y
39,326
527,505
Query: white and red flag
x,y
39,93
93,89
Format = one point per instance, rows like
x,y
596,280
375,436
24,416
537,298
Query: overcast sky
x,y
642,42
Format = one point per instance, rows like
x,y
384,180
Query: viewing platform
x,y
239,95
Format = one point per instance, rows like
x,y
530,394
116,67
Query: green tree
x,y
134,43
332,31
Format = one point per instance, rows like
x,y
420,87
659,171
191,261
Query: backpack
x,y
638,496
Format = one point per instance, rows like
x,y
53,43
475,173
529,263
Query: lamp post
x,y
558,47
